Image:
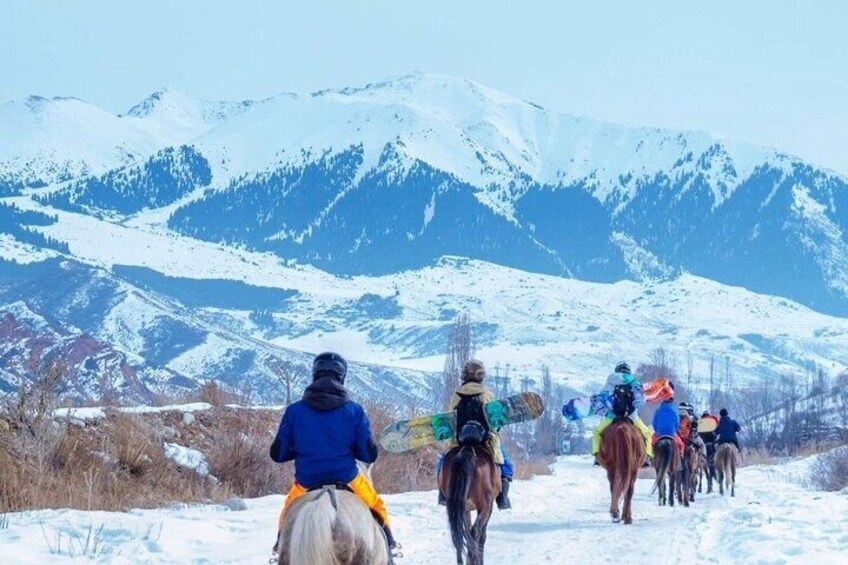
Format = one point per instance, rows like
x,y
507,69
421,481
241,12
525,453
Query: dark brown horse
x,y
667,466
622,455
470,481
688,467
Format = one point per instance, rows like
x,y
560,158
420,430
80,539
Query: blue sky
x,y
775,73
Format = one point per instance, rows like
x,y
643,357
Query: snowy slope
x,y
578,329
557,519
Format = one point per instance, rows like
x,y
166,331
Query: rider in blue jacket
x,y
325,433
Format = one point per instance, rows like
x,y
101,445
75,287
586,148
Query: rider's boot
x,y
503,498
276,549
394,546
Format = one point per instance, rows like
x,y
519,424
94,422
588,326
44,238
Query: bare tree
x,y
460,348
840,394
289,374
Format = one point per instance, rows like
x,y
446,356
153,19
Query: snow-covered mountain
x,y
385,210
140,342
393,175
44,141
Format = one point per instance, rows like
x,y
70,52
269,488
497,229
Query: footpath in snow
x,y
561,518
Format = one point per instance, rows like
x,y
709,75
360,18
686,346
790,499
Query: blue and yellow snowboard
x,y
411,434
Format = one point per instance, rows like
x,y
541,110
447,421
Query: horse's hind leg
x,y
480,527
671,488
615,496
628,498
733,480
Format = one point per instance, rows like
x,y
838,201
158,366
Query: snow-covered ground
x,y
557,519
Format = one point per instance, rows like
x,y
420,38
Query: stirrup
x,y
396,551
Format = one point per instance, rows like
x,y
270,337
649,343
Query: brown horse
x,y
699,467
470,481
667,465
726,461
622,455
331,527
688,475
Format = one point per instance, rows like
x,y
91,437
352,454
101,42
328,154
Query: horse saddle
x,y
335,484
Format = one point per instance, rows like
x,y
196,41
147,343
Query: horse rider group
x,y
326,433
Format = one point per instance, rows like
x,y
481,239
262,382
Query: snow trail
x,y
561,518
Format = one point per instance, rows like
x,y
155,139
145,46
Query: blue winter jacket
x,y
325,433
727,430
666,419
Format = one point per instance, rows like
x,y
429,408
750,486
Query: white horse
x,y
331,526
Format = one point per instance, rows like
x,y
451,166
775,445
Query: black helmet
x,y
723,412
705,414
622,367
329,365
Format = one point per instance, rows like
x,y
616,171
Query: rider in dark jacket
x,y
727,429
325,433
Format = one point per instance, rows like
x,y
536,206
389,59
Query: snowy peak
x,y
173,107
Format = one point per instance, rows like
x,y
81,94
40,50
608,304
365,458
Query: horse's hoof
x,y
616,520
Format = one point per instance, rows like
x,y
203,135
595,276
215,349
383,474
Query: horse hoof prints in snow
x,y
331,527
622,454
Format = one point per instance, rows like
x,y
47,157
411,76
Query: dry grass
x,y
118,462
239,457
829,472
759,456
120,467
535,466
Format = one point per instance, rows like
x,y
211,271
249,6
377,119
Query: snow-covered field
x,y
557,519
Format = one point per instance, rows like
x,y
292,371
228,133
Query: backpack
x,y
623,400
471,424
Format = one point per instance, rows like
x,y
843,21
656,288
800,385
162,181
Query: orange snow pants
x,y
360,486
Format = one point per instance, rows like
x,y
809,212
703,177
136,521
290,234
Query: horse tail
x,y
462,472
312,531
662,455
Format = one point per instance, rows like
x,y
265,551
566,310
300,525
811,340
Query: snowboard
x,y
707,425
601,403
407,435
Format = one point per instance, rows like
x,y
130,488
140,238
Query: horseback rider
x,y
627,397
325,433
689,428
727,429
709,439
468,401
666,422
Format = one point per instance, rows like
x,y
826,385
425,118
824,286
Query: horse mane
x,y
332,527
312,531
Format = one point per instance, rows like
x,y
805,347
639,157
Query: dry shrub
x,y
535,466
240,458
107,466
132,443
759,456
830,470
